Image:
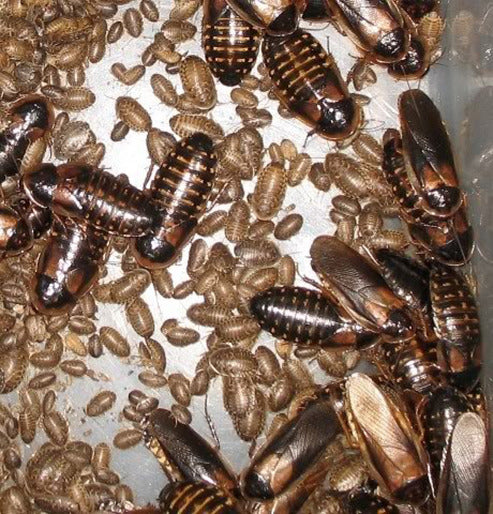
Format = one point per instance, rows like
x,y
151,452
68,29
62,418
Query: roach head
x,y
415,492
256,486
51,297
285,23
201,142
338,119
35,111
414,65
230,78
40,183
441,198
152,252
258,305
393,45
317,10
399,325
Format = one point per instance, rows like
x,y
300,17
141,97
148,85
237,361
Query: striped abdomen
x,y
195,498
230,43
181,188
309,84
306,317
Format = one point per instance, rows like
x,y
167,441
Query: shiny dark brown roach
x,y
350,280
277,18
68,266
306,317
385,436
365,501
377,27
30,118
464,483
291,451
309,84
456,322
16,234
428,155
317,10
185,455
450,241
94,196
230,43
181,189
415,63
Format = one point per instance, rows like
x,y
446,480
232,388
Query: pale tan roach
x,y
250,425
256,118
390,239
205,282
198,82
238,328
268,365
13,500
153,380
260,279
130,286
236,225
81,325
269,192
260,229
162,282
289,150
27,425
238,395
212,223
128,76
30,401
74,343
220,258
228,190
199,384
35,327
96,50
95,346
348,472
280,393
166,53
275,153
115,32
287,271
76,76
99,29
362,75
208,315
70,56
182,336
430,29
11,458
91,155
243,97
184,9
140,317
71,138
331,362
288,227
49,400
133,114
42,380
197,257
56,427
181,414
225,293
119,131
100,403
130,413
147,404
127,438
345,230
101,456
346,205
88,306
178,31
257,253
164,89
133,22
179,387
57,323
298,169
299,373
123,494
250,82
159,145
185,125
462,33
233,362
183,289
74,367
319,177
347,175
48,358
70,98
149,10
368,149
114,342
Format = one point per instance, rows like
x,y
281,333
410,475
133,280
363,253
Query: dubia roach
x,y
181,189
376,27
464,483
306,317
387,441
38,218
16,233
230,43
291,451
94,196
449,240
30,118
428,154
309,84
456,322
415,64
67,267
276,17
359,288
184,454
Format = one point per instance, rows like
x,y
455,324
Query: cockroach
x,y
128,76
133,114
346,205
316,11
243,97
359,288
178,31
198,82
75,344
197,257
345,230
400,466
100,403
208,315
68,266
298,169
159,145
415,64
186,125
74,367
14,499
70,98
212,223
428,154
289,150
260,279
370,221
260,229
368,149
127,438
319,177
233,362
347,175
96,50
250,425
29,119
132,21
324,105
16,235
91,155
276,18
347,472
418,9
73,136
164,89
382,33
70,56
187,497
56,427
123,493
27,425
42,380
115,32
305,317
130,286
152,380
114,341
181,188
456,323
238,328
365,501
101,456
437,415
183,289
291,451
464,481
257,253
94,196
140,317
81,325
179,387
149,10
182,336
237,221
268,365
184,454
389,239
430,29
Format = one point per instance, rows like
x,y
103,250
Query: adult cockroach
x,y
278,18
68,266
359,288
387,440
181,189
230,43
29,119
291,451
376,27
309,84
185,455
94,196
306,317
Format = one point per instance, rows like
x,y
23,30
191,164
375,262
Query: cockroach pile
x,y
356,386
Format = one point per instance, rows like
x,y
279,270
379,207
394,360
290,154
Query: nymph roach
x,y
291,451
94,196
230,43
38,218
362,292
309,84
68,266
306,317
181,189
